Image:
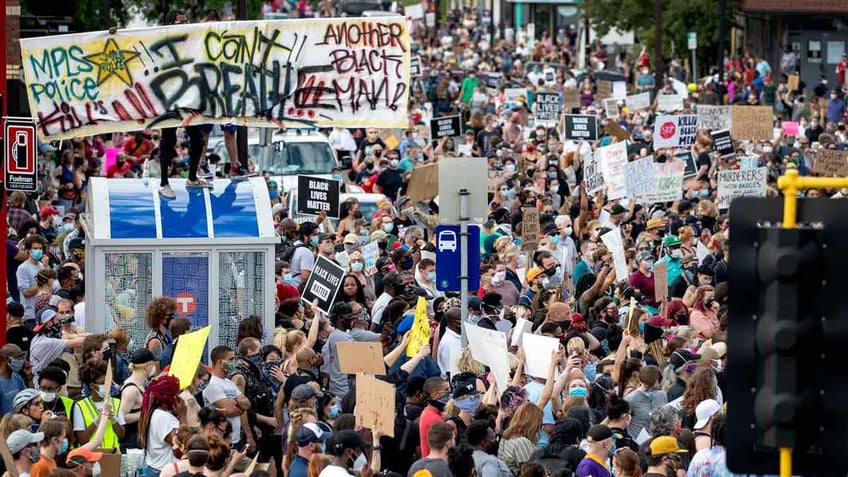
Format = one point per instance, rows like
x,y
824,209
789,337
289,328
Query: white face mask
x,y
360,462
96,470
568,231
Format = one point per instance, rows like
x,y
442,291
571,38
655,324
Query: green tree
x,y
152,9
679,17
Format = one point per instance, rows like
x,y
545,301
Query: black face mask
x,y
550,271
382,244
357,215
107,355
54,331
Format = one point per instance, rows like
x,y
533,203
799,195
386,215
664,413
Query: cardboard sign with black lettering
x,y
722,142
414,66
315,194
446,126
323,284
581,126
548,108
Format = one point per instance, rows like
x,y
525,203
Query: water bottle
x,y
145,171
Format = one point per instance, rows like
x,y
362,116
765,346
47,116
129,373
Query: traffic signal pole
x,y
790,184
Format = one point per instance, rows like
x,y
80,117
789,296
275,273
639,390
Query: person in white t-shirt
x,y
159,423
222,394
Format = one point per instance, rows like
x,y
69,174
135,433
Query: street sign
x,y
471,174
448,253
692,40
20,155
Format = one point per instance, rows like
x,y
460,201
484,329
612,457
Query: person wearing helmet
x,y
673,257
28,402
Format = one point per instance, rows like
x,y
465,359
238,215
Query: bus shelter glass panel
x,y
241,291
129,288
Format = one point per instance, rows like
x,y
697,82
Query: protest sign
x,y
675,131
611,107
831,162
613,158
445,126
512,94
414,11
639,177
538,350
668,182
615,245
570,99
733,184
669,102
530,229
548,108
689,160
496,178
615,130
323,284
793,82
592,174
749,162
714,117
619,89
581,126
301,73
753,123
660,281
790,128
489,348
375,405
521,326
370,253
604,89
187,356
364,357
420,329
702,252
639,101
722,142
415,66
316,195
423,183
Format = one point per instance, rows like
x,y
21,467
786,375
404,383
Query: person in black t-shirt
x,y
17,333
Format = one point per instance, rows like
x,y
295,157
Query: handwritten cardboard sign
x,y
639,101
496,178
530,229
613,160
365,357
639,177
714,117
570,99
831,162
375,405
668,182
592,174
298,73
423,183
793,82
604,90
754,123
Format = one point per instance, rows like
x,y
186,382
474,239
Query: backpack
x,y
285,250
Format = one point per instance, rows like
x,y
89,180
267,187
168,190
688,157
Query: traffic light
x,y
787,337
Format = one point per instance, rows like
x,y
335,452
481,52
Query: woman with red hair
x,y
160,408
704,319
677,312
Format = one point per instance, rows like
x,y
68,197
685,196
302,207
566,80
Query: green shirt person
x,y
469,84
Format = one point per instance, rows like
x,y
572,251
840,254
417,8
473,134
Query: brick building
x,y
817,30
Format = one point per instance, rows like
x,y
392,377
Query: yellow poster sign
x,y
420,329
187,356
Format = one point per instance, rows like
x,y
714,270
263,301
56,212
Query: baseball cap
x,y
312,432
351,238
475,303
302,392
21,438
682,356
378,235
617,209
533,273
44,315
464,384
598,433
665,445
704,411
47,210
142,356
672,241
326,236
81,456
348,439
654,224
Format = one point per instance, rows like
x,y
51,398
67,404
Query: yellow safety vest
x,y
68,403
90,415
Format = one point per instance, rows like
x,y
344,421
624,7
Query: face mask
x,y
67,228
64,446
101,390
34,454
322,448
360,462
336,177
704,281
314,240
16,365
505,194
550,271
691,367
334,411
393,163
467,405
612,449
554,186
201,386
641,327
287,278
107,355
151,373
47,397
231,367
709,302
693,194
510,167
36,254
407,264
545,282
675,254
356,266
704,193
555,239
431,277
521,260
577,391
552,175
388,227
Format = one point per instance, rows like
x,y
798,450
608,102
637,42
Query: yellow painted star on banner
x,y
112,61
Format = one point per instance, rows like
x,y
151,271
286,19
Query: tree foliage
x,y
679,17
152,9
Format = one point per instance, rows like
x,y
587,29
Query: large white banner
x,y
350,72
